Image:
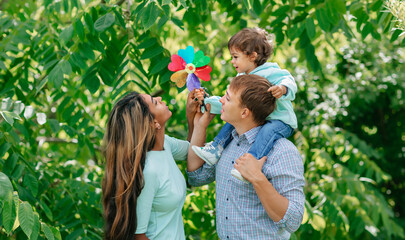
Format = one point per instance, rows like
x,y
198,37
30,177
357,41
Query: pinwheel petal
x,y
179,78
200,60
177,63
203,73
192,82
187,54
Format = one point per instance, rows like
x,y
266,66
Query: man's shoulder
x,y
284,145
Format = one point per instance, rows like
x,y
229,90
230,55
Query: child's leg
x,y
268,135
224,136
211,152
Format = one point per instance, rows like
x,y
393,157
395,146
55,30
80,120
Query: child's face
x,y
242,62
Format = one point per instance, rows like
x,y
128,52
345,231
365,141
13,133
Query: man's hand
x,y
203,120
277,91
249,167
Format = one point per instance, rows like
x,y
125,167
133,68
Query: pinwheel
x,y
189,67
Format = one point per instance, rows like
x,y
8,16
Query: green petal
x,y
200,60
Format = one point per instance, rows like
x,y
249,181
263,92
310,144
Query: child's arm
x,y
277,91
283,79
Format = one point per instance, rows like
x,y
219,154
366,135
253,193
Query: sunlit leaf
x,y
150,15
26,218
104,22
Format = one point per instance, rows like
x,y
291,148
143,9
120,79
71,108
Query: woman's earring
x,y
158,126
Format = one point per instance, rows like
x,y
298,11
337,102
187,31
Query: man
x,y
271,205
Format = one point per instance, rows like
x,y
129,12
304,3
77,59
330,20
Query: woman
x,y
143,190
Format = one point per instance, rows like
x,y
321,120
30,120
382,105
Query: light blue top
x,y
277,76
161,201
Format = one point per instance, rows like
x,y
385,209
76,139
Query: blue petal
x,y
187,54
193,82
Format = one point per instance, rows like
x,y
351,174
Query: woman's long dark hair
x,y
129,135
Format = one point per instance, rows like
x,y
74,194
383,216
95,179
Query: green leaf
x,y
257,7
79,28
36,228
66,34
310,26
150,15
120,18
86,51
160,65
92,83
149,53
54,124
340,6
26,218
2,65
4,148
56,75
5,186
46,209
166,2
47,231
66,67
178,22
165,77
31,183
147,43
9,116
183,3
9,212
10,164
281,11
104,22
322,19
368,27
162,21
56,233
6,104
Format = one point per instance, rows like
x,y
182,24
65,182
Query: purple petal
x,y
193,82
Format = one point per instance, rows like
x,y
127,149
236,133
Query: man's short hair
x,y
254,96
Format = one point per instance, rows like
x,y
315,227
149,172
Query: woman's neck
x,y
160,140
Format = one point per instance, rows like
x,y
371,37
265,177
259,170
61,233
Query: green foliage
x,y
63,64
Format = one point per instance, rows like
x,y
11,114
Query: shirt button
x,y
227,199
233,162
238,144
227,237
226,218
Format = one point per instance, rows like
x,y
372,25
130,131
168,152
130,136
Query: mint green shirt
x,y
160,203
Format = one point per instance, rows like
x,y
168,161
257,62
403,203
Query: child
x,y
250,48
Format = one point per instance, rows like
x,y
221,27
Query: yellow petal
x,y
179,78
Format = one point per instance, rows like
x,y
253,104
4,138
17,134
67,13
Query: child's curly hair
x,y
249,40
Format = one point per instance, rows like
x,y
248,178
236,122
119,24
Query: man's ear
x,y
246,113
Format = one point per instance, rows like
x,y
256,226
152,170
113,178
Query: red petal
x,y
203,73
177,63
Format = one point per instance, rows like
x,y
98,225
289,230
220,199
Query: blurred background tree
x,y
64,63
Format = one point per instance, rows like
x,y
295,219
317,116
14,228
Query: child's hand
x,y
277,91
199,95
